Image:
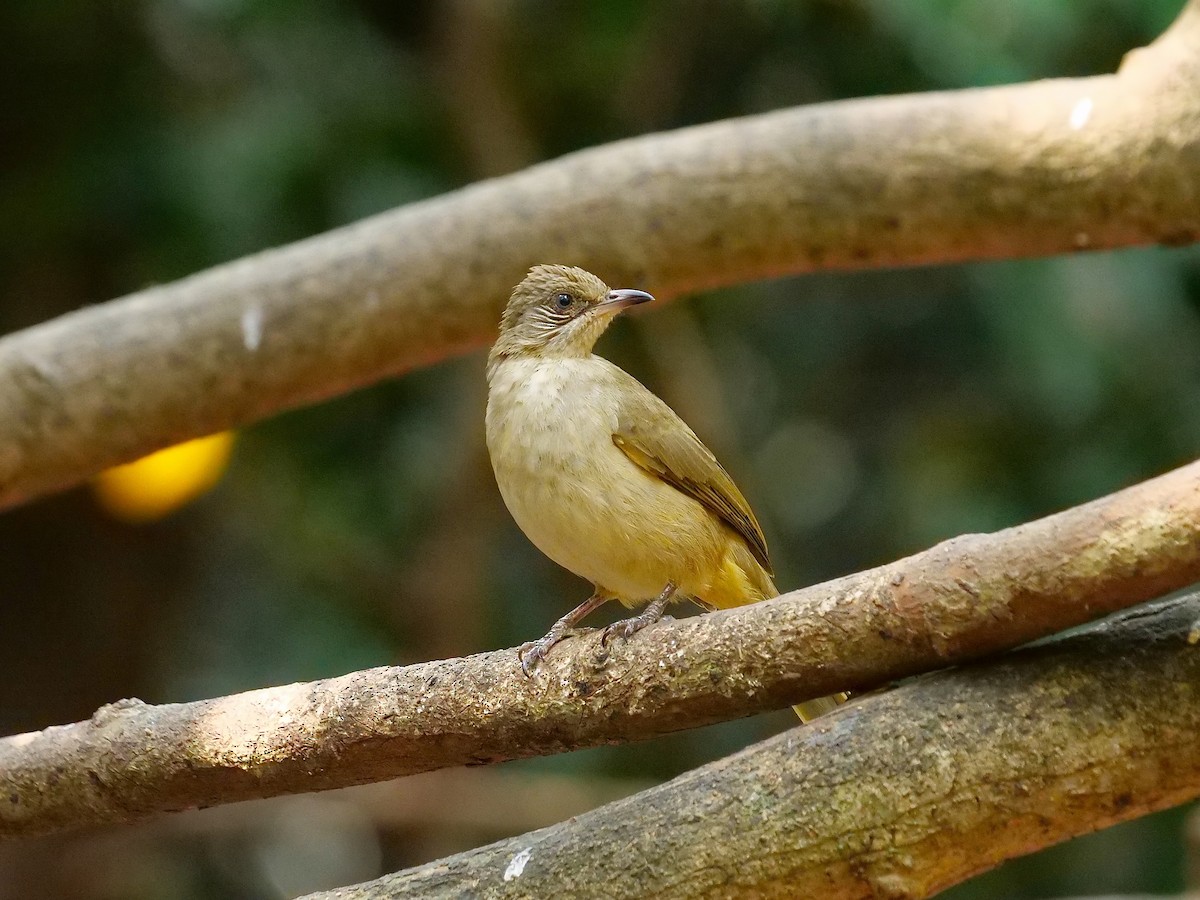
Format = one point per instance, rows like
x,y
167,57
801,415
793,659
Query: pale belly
x,y
581,501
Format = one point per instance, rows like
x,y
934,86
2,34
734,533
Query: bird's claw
x,y
627,628
533,652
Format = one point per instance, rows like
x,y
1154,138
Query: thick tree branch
x,y
962,599
1030,169
896,796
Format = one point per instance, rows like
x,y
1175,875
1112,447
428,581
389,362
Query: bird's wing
x,y
650,434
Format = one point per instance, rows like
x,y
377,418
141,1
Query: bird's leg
x,y
532,652
651,614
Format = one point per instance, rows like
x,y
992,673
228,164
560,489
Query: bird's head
x,y
559,311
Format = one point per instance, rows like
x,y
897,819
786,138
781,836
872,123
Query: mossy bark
x,y
896,796
963,599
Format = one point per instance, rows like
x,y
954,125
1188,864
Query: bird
x,y
602,475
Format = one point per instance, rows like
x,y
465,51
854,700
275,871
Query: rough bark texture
x,y
896,796
1048,167
970,596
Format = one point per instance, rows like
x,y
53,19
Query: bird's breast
x,y
574,493
549,433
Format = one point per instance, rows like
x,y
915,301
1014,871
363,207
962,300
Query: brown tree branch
x,y
1031,169
896,796
970,596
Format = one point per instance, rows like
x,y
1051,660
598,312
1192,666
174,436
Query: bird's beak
x,y
617,300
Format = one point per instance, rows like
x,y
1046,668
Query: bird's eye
x,y
563,301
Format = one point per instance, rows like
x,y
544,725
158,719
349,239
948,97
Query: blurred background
x,y
866,416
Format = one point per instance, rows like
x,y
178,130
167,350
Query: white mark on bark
x,y
1081,112
517,864
252,327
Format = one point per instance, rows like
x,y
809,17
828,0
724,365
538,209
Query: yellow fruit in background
x,y
157,485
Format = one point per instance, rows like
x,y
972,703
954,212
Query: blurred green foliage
x,y
865,415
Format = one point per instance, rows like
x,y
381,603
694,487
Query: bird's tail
x,y
756,584
810,709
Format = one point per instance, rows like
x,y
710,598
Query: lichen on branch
x,y
960,600
898,795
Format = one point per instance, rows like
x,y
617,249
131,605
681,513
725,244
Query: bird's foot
x,y
653,613
627,628
531,653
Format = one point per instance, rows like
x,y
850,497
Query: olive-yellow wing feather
x,y
650,434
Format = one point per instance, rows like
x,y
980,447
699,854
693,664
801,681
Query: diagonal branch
x,y
962,599
896,796
1031,169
